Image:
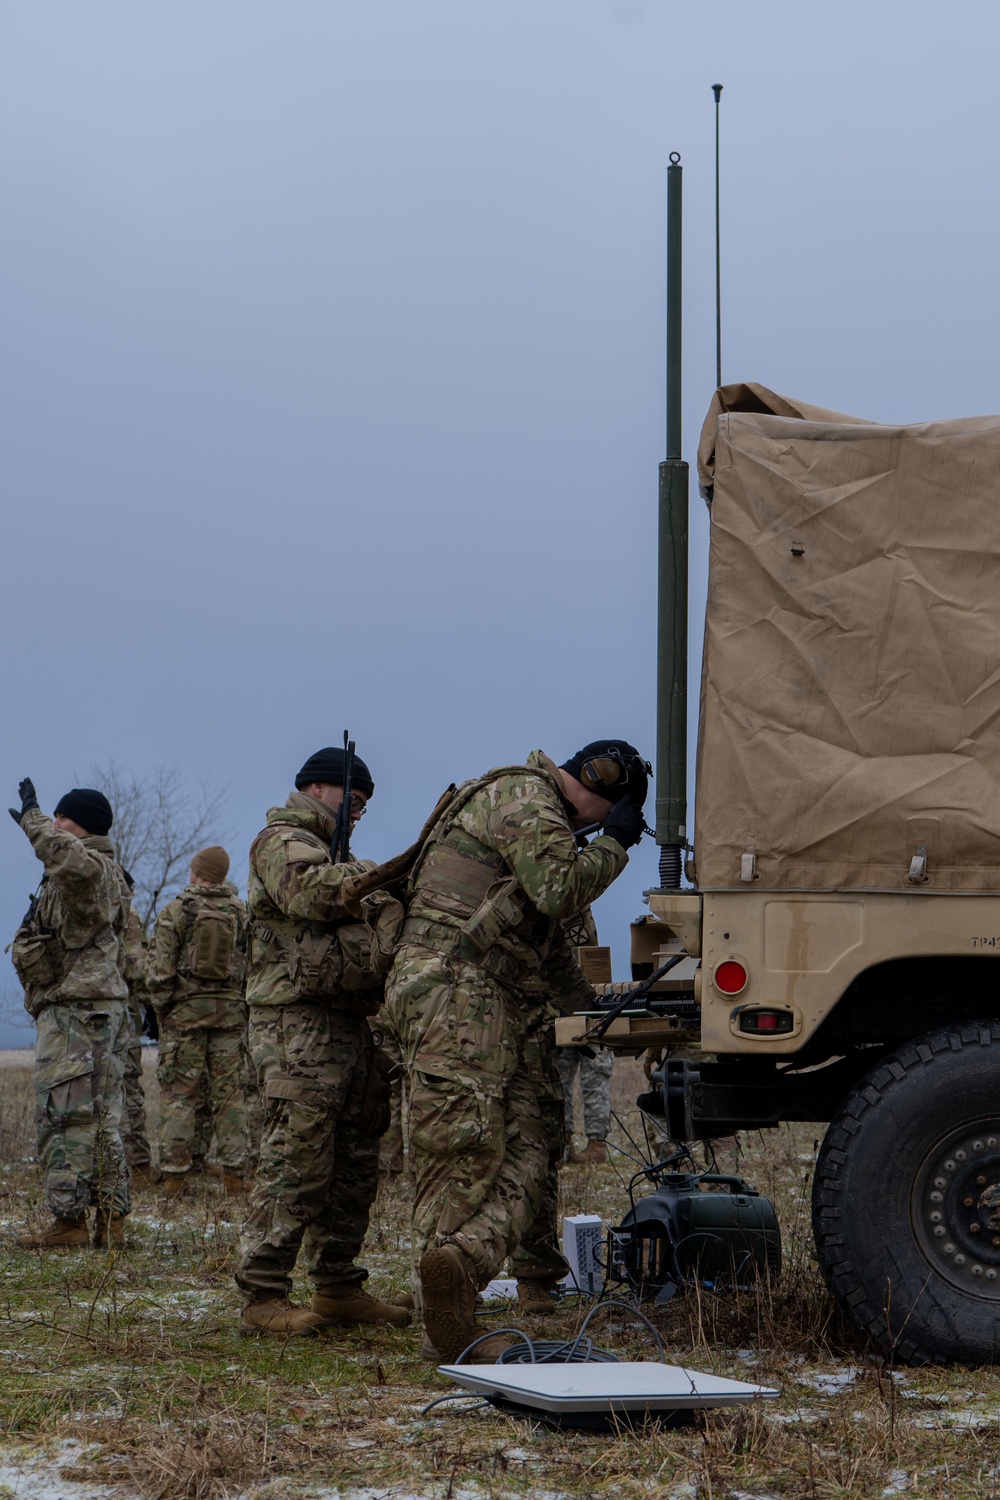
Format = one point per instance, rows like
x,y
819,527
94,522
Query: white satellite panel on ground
x,y
628,1386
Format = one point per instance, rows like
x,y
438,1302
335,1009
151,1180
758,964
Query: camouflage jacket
x,y
497,879
132,962
184,996
293,893
68,946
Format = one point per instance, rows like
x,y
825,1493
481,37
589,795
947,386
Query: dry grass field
x,y
124,1375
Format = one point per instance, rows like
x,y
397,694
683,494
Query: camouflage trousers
x,y
134,1138
318,1169
255,1112
538,1257
204,1062
391,1154
595,1085
477,1139
79,1067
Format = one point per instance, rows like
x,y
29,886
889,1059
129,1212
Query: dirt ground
x,y
125,1375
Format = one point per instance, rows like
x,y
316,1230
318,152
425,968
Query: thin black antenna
x,y
717,91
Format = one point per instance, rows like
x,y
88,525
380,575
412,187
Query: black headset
x,y
611,769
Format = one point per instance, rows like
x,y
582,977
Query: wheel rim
x,y
955,1209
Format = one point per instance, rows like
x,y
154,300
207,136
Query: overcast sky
x,y
331,349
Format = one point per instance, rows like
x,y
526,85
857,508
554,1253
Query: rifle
x,y
340,849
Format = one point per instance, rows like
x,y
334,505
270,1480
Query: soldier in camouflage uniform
x,y
195,974
132,962
497,877
66,954
311,988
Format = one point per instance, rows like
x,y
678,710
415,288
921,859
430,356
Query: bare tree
x,y
160,823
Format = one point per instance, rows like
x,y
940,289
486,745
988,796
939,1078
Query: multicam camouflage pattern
x,y
477,1140
595,1084
79,915
183,1002
538,1256
190,1060
254,1109
505,863
293,883
318,1169
391,1157
202,1046
79,1063
132,957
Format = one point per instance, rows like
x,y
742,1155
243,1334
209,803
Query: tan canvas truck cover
x,y
850,701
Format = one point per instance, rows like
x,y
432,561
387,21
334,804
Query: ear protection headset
x,y
611,769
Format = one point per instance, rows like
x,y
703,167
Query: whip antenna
x,y
717,91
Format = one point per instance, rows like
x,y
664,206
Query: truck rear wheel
x,y
906,1200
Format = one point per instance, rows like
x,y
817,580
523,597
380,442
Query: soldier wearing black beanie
x,y
327,768
88,807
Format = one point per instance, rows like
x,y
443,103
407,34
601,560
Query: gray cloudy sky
x,y
332,356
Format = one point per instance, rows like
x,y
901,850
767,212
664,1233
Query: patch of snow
x,y
34,1474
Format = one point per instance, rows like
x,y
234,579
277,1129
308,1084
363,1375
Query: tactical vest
x,y
468,904
41,958
344,965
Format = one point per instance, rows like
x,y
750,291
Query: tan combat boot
x,y
173,1184
232,1183
594,1154
278,1316
63,1234
536,1297
354,1307
144,1177
117,1231
449,1298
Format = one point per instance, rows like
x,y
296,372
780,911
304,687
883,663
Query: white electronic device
x,y
583,1240
602,1394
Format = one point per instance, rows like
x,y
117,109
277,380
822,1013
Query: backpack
x,y
211,952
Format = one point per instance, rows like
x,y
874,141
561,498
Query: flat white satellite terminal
x,y
628,1386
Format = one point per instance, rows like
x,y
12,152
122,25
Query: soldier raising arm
x,y
66,955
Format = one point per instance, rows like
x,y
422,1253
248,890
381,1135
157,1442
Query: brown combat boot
x,y
594,1154
174,1184
537,1297
233,1184
117,1231
351,1308
145,1176
62,1234
486,1353
449,1303
276,1315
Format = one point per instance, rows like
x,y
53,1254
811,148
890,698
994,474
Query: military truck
x,y
834,957
842,936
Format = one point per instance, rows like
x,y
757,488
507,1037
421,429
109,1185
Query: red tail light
x,y
730,977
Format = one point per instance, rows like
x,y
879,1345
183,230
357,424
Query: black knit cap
x,y
90,808
633,773
327,767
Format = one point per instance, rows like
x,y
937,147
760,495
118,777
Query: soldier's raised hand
x,y
29,801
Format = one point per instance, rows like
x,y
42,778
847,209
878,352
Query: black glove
x,y
625,822
26,792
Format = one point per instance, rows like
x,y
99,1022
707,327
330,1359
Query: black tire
x,y
906,1200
